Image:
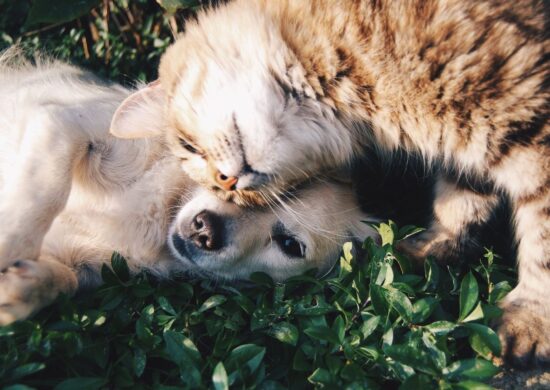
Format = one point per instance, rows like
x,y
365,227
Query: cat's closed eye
x,y
187,146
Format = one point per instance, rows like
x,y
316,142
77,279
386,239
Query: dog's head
x,y
224,241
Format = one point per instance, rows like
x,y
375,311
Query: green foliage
x,y
371,324
120,39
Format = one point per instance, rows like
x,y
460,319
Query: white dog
x,y
71,194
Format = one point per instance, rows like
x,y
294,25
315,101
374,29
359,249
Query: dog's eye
x,y
289,245
187,146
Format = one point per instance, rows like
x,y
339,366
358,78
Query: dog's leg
x,y
36,185
27,286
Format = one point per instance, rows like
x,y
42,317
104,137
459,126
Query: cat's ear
x,y
141,114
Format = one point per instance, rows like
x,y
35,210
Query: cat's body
x,y
300,87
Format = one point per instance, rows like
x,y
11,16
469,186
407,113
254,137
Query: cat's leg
x,y
26,286
37,182
524,171
457,211
525,325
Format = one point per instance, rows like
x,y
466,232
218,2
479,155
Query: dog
x,y
71,194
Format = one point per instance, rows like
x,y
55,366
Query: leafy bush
x,y
119,39
372,324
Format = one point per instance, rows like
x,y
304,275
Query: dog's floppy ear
x,y
141,114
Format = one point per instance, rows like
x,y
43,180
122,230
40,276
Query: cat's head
x,y
238,110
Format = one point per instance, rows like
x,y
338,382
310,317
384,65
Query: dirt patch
x,y
509,379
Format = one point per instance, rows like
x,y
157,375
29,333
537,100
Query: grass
x,y
372,324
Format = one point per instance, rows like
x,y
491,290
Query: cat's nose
x,y
206,231
227,183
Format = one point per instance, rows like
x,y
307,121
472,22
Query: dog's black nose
x,y
206,231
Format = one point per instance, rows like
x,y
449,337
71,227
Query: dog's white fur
x,y
71,194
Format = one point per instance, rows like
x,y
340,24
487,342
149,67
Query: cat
x,y
259,95
71,194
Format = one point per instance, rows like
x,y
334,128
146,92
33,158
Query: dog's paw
x,y
24,288
524,335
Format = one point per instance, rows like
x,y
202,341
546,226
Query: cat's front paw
x,y
23,290
431,242
524,334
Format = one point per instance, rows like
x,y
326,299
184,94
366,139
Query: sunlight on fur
x,y
71,194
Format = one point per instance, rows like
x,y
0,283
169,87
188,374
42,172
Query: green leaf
x,y
81,383
379,301
485,337
139,362
469,293
213,301
249,355
471,385
339,328
321,377
143,331
417,382
387,337
108,276
262,279
284,332
423,308
369,326
120,267
323,333
183,352
499,291
432,348
219,377
408,231
412,356
166,306
432,274
142,290
404,263
476,314
386,232
346,259
400,302
18,387
171,6
180,346
352,372
26,369
441,328
346,250
477,369
300,362
58,11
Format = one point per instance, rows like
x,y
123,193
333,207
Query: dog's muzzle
x,y
205,233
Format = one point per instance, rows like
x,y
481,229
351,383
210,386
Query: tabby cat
x,y
262,94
